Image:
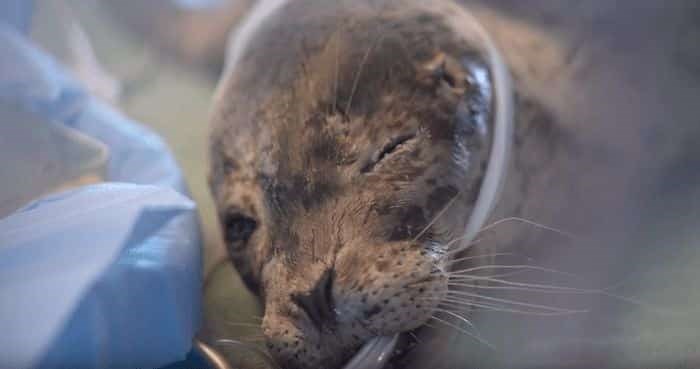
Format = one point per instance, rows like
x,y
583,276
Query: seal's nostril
x,y
318,302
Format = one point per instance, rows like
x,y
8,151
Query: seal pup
x,y
584,143
349,141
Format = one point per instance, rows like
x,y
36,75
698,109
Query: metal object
x,y
213,357
374,354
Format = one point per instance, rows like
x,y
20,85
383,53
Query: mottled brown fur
x,y
589,118
343,133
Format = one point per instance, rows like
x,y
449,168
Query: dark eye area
x,y
386,150
239,228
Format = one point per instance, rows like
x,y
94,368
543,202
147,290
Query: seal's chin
x,y
374,354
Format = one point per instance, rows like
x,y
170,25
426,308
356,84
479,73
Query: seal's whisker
x,y
336,73
465,302
462,282
453,241
359,72
494,254
525,289
492,275
462,294
437,216
335,84
460,318
508,274
498,309
522,267
252,338
529,313
371,47
528,222
464,331
512,305
249,325
466,278
507,220
469,304
251,348
457,316
304,69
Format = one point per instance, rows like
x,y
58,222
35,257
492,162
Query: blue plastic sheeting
x,y
18,13
200,4
30,78
111,282
103,276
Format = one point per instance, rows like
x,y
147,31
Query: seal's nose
x,y
317,303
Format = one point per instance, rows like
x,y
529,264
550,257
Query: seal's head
x,y
347,150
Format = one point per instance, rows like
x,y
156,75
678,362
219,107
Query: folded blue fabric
x,y
35,81
199,4
18,13
104,276
107,275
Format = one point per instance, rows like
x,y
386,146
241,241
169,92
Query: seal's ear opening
x,y
444,71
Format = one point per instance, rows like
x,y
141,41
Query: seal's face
x,y
341,180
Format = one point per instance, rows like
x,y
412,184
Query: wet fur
x,y
297,129
585,141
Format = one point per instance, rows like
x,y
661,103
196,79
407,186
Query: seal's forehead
x,y
341,35
321,90
384,47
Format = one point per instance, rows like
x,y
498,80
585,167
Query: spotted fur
x,y
341,135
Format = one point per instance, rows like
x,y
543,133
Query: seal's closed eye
x,y
390,147
238,228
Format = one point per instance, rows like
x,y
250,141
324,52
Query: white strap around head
x,y
502,134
